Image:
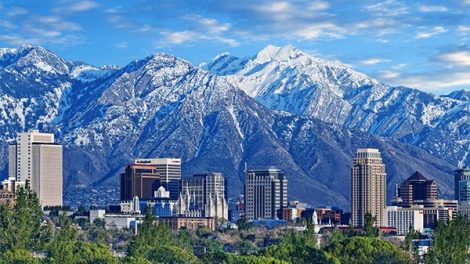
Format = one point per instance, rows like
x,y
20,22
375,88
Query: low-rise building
x,y
190,223
96,214
120,221
404,218
7,197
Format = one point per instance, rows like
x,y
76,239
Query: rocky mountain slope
x,y
163,106
287,79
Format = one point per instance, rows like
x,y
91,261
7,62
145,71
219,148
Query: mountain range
x,y
281,107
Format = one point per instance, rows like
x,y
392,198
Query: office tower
x,y
368,187
36,160
265,193
461,175
417,188
140,180
208,193
169,170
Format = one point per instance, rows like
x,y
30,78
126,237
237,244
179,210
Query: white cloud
x,y
388,8
180,36
318,30
373,61
432,8
76,6
121,45
17,40
463,28
318,6
389,74
456,58
209,24
437,81
432,32
399,66
17,11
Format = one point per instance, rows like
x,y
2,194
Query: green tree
x,y
62,247
369,228
365,250
243,224
17,256
20,225
451,242
156,243
227,258
298,248
93,253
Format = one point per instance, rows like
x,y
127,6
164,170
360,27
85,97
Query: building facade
x,y
404,218
208,193
190,223
368,187
169,170
265,193
460,175
35,160
139,180
416,187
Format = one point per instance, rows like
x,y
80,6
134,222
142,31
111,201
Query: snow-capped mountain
x,y
162,106
287,79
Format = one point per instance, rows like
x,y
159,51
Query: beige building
x,y
190,223
265,193
207,192
35,159
368,187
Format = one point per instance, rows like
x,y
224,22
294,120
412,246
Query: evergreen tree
x,y
20,225
451,242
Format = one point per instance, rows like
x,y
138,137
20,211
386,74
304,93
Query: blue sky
x,y
422,44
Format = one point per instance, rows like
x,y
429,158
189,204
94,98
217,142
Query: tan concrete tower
x,y
368,187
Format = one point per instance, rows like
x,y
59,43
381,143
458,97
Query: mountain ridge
x,y
164,106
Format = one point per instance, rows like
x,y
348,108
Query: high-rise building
x,y
169,170
368,187
461,175
140,180
265,193
35,160
416,188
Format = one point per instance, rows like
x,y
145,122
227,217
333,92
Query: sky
x,y
420,44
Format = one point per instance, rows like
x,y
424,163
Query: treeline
x,y
25,237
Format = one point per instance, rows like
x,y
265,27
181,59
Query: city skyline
x,y
424,44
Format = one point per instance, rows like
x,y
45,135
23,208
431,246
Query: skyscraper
x,y
265,193
368,187
461,175
36,160
140,180
417,188
169,170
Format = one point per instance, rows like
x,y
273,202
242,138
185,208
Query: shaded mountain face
x,y
287,79
162,106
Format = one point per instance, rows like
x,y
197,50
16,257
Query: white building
x,y
116,221
404,218
96,214
35,159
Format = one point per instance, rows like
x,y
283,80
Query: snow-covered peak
x,y
462,95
